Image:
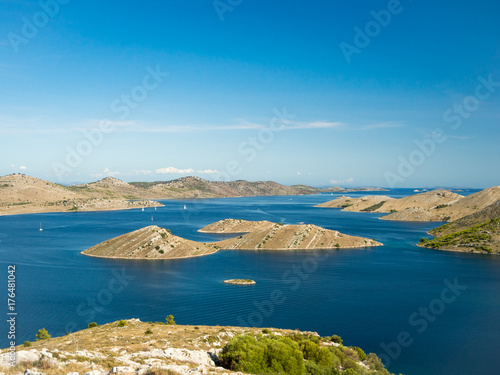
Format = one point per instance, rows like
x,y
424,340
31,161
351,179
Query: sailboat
x,y
151,218
185,207
143,208
155,208
41,227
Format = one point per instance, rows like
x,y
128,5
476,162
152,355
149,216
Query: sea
x,y
422,311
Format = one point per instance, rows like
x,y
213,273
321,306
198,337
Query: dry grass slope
x,y
295,237
152,348
436,205
235,226
150,243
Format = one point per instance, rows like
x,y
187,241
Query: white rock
x,y
31,372
21,356
122,370
72,373
94,372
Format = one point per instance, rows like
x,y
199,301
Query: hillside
x,y
21,194
436,205
295,237
195,187
150,243
134,347
478,232
367,203
235,226
24,194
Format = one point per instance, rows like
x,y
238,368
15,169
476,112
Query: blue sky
x,y
387,93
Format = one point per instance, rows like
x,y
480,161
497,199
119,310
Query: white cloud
x,y
383,125
346,181
208,171
316,125
299,173
174,170
23,167
240,124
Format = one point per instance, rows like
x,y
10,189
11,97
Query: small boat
x,y
151,218
185,207
41,227
155,208
143,208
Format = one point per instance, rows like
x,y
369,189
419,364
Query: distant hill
x,y
24,194
195,187
478,232
436,205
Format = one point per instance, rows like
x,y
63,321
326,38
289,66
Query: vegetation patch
x,y
296,354
477,238
374,207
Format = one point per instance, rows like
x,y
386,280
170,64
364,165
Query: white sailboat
x,y
143,209
41,227
155,208
151,218
185,207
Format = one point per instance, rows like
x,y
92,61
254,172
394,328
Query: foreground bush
x,y
297,354
263,355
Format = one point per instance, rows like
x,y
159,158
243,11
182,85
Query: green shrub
x,y
336,339
27,343
42,334
92,325
374,207
161,251
361,353
122,323
170,320
263,355
148,332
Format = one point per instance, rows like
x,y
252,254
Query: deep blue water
x,y
367,296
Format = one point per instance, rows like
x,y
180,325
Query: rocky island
x,y
150,243
153,242
235,226
436,205
240,282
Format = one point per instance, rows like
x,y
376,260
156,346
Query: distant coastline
x,y
23,194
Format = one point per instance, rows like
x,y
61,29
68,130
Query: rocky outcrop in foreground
x,y
134,347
